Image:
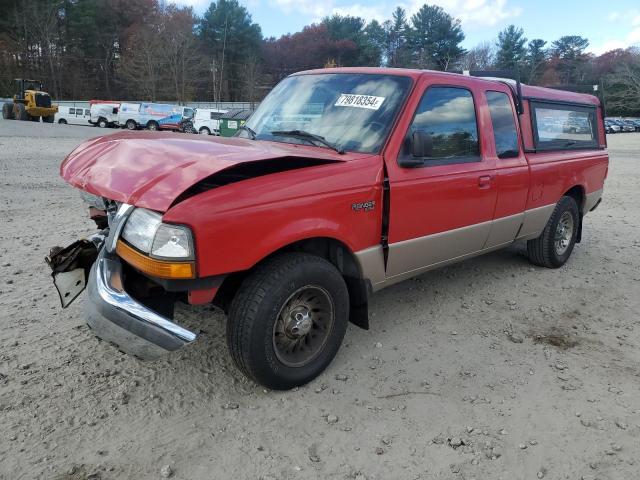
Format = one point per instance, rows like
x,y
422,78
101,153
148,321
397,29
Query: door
x,y
512,170
441,208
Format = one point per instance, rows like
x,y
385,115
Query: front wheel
x,y
287,320
553,247
153,126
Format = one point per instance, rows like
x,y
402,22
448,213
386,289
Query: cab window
x,y
448,116
72,111
505,134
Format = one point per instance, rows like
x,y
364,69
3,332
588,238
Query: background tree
x,y
511,51
228,34
435,38
397,49
569,58
535,60
622,87
480,57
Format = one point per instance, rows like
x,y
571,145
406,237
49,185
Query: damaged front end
x,y
113,313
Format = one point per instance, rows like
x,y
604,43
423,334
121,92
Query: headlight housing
x,y
145,231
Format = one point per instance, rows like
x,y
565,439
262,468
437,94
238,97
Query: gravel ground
x,y
489,369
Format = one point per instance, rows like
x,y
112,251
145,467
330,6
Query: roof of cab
x,y
528,91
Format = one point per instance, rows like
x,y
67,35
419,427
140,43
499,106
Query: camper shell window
x,y
560,126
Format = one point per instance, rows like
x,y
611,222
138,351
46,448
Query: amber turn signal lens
x,y
153,267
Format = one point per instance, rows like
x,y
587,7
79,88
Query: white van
x,y
104,114
207,120
72,115
153,116
128,115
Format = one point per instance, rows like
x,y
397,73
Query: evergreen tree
x,y
397,53
511,50
435,38
570,58
535,59
228,35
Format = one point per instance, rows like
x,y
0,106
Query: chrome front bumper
x,y
117,317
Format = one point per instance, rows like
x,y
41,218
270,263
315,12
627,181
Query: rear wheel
x,y
7,111
131,125
153,126
48,119
204,131
34,119
20,112
288,319
553,247
102,123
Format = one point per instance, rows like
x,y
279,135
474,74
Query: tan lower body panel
x,y
409,255
591,200
412,257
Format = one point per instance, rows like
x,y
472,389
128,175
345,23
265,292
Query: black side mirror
x,y
420,144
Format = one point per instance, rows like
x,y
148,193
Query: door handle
x,y
484,181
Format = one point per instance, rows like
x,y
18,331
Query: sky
x,y
607,25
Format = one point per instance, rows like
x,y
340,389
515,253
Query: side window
x,y
564,127
504,125
87,112
448,116
216,115
72,111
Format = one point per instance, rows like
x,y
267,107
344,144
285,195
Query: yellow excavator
x,y
29,103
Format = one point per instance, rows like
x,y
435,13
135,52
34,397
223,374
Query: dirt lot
x,y
490,369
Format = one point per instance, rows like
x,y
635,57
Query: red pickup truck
x,y
344,181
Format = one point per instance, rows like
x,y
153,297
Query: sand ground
x,y
489,369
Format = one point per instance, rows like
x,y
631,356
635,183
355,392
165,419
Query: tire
x,y
256,328
131,125
102,122
553,247
34,119
62,121
7,111
153,126
20,112
204,131
48,119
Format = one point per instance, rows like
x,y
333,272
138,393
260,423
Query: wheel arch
x,y
331,249
578,193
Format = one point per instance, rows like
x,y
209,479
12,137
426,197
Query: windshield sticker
x,y
359,101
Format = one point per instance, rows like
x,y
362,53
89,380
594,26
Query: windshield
x,y
354,112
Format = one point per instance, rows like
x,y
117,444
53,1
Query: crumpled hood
x,y
151,169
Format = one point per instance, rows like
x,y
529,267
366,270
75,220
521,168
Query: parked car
x,y
152,116
612,127
290,231
72,115
624,127
633,125
104,114
207,120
